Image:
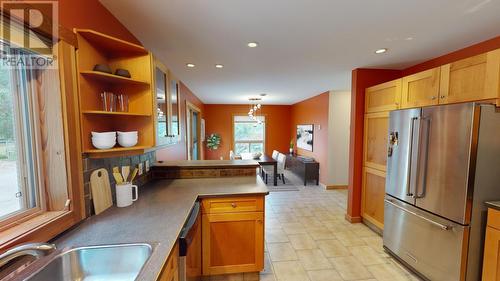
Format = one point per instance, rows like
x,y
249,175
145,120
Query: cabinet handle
x,y
233,205
443,97
433,98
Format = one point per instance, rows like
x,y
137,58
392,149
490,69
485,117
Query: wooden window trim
x,y
45,225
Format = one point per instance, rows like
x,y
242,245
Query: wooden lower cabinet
x,y
491,260
372,197
232,242
170,271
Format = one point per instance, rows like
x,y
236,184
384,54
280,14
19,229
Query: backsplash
x,y
90,165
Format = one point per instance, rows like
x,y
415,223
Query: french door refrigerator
x,y
443,163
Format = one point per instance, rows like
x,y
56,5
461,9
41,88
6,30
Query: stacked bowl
x,y
104,140
127,139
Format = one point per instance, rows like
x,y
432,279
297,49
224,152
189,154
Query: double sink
x,y
110,262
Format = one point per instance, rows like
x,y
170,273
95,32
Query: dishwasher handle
x,y
185,237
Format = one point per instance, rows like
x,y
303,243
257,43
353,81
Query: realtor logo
x,y
30,26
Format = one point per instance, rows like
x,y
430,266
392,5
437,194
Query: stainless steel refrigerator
x,y
443,162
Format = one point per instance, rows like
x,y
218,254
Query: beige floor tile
x,y
302,241
320,233
272,223
350,268
349,238
293,228
332,248
303,212
310,222
366,255
281,252
290,271
313,259
274,235
287,217
387,272
324,275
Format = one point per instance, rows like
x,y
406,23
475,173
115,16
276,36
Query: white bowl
x,y
104,134
127,141
131,133
101,143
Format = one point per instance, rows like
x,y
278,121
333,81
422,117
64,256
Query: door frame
x,y
190,108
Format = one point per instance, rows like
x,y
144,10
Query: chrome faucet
x,y
32,249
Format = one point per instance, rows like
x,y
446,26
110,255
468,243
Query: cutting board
x,y
101,190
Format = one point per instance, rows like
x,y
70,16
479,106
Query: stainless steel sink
x,y
110,262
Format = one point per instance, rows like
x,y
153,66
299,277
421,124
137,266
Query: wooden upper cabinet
x,y
375,140
466,80
421,89
383,97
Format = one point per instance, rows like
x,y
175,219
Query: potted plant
x,y
291,146
213,141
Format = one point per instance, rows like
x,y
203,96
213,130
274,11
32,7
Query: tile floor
x,y
308,239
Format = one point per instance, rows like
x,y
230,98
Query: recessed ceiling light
x,y
263,94
190,65
252,44
219,66
381,51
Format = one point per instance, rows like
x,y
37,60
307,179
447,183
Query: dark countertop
x,y
493,204
157,217
198,164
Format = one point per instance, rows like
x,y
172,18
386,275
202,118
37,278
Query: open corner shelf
x,y
111,45
97,48
110,78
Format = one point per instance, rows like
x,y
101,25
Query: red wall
x,y
179,151
313,111
218,119
91,14
363,78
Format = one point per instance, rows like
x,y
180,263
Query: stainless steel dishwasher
x,y
190,247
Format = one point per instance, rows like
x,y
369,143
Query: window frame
x,y
44,224
233,131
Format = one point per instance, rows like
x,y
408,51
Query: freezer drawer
x,y
433,246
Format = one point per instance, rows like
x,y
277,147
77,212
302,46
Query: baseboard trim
x,y
353,219
373,227
336,186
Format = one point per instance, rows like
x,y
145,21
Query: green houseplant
x,y
291,146
213,141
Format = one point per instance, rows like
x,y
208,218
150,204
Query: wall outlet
x,y
147,165
140,168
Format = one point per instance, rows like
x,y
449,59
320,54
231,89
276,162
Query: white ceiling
x,y
306,46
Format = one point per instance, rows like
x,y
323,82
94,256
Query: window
x,y
249,135
18,191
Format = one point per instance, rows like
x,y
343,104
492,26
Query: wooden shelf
x,y
111,46
110,78
99,112
116,151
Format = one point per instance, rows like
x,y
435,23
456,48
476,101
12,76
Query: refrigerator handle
x,y
442,226
410,153
426,156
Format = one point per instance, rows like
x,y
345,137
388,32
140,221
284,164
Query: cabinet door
x,y
375,140
372,197
465,80
491,261
492,87
170,271
383,97
420,89
233,242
